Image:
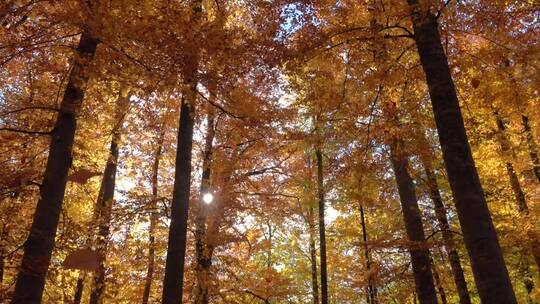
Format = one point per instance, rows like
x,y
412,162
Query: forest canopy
x,y
269,151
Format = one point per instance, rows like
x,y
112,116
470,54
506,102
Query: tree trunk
x,y
412,217
322,232
440,287
153,217
313,255
531,144
448,238
506,150
371,292
521,202
173,282
40,243
176,249
490,273
79,289
204,260
105,201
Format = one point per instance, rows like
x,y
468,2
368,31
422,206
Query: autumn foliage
x,y
283,151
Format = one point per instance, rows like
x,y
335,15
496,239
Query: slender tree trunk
x,y
448,238
444,226
412,217
521,202
313,255
79,288
105,201
173,282
3,252
322,228
507,152
204,260
40,243
153,217
176,249
440,287
371,290
531,144
490,273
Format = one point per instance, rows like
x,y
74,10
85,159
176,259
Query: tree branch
x,y
29,132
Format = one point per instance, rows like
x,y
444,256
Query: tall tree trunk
x,y
40,243
153,217
507,152
444,226
490,273
105,201
521,202
173,282
322,232
440,287
448,238
412,217
371,293
313,255
176,249
204,260
531,144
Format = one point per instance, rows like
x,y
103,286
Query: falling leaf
x,y
83,259
82,176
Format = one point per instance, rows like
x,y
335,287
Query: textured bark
x,y
322,232
313,255
420,258
40,243
153,217
489,269
371,291
531,145
105,202
448,238
204,260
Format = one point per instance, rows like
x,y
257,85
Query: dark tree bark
x,y
322,228
521,202
105,201
371,291
173,282
79,289
176,249
313,255
507,152
40,243
412,217
448,238
489,269
444,226
203,256
531,145
153,217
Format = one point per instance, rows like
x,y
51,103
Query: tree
x,y
39,245
489,269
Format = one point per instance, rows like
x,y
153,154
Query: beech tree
x,y
276,151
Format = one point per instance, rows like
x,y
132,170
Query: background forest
x,y
269,151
